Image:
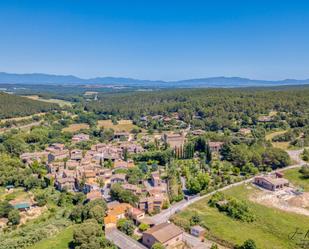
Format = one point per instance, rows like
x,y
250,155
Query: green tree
x,y
193,185
126,226
14,217
214,246
134,175
305,155
89,212
157,245
118,193
248,244
305,171
88,235
5,208
97,212
15,146
143,227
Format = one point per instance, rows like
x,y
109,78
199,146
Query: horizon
x,y
144,79
263,40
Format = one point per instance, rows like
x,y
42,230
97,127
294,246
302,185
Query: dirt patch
x,y
31,214
76,127
286,199
300,201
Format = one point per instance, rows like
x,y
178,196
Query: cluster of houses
x,y
167,234
94,171
78,170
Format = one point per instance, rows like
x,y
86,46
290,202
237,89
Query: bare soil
x,y
285,199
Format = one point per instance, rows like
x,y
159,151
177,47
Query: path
x,y
121,240
167,213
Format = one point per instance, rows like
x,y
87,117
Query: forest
x,y
212,109
14,106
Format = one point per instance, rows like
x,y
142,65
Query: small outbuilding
x,y
198,231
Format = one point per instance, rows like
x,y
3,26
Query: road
x,y
121,240
166,214
124,242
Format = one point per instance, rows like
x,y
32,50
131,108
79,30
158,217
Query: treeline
x,y
14,106
215,108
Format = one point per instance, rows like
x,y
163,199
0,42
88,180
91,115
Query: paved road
x,y
125,242
121,240
166,214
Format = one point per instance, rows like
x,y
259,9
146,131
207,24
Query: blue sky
x,y
169,40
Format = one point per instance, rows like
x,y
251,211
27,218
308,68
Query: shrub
x,y
143,227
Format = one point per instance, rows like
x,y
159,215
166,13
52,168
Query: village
x,y
111,170
94,172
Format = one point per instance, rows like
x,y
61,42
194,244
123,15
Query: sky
x,y
164,40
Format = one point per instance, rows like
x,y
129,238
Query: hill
x,y
38,78
13,106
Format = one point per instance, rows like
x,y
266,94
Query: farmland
x,y
270,230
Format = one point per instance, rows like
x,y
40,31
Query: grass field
x,y
17,194
56,101
76,127
271,230
281,145
123,125
296,179
60,241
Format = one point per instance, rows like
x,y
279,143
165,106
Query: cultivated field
x,y
270,230
56,101
123,125
76,127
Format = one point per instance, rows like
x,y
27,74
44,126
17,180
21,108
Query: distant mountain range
x,y
38,78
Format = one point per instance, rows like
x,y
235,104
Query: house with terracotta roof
x,y
133,188
76,154
174,140
215,146
80,138
121,164
67,183
116,212
29,158
155,179
55,147
166,234
58,155
151,204
136,215
94,195
121,135
118,178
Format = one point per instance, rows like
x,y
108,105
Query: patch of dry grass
x,y
76,127
55,101
123,125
